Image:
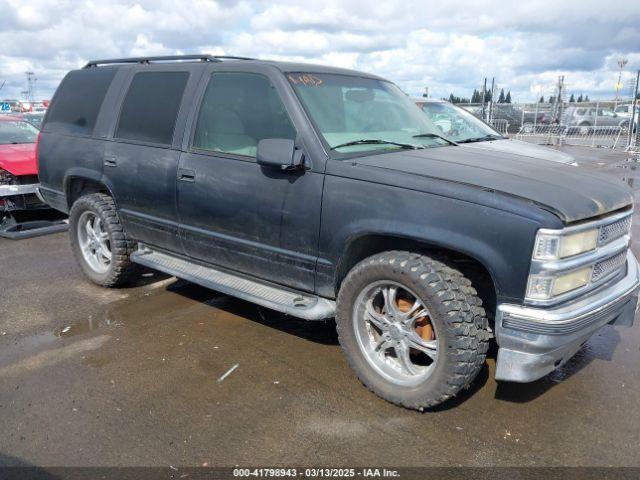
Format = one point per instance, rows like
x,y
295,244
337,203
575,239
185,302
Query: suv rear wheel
x,y
412,328
99,241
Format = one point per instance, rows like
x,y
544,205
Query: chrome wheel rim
x,y
94,242
392,338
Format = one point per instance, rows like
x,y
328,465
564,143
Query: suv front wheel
x,y
99,242
412,328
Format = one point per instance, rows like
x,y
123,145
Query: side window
x,y
77,103
151,106
238,110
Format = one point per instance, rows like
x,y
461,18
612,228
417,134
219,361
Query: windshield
x,y
17,132
457,124
355,114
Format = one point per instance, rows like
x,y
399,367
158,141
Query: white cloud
x,y
448,47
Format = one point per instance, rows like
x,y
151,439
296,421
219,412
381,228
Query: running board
x,y
20,231
291,302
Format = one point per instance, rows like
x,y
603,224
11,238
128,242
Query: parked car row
x,y
22,106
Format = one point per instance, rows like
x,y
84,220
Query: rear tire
x,y
459,332
99,241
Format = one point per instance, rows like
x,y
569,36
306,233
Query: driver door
x,y
234,213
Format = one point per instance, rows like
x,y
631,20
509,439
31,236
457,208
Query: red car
x,y
20,207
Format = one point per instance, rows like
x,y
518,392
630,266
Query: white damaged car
x,y
460,126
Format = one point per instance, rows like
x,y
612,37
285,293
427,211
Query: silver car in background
x,y
460,126
586,117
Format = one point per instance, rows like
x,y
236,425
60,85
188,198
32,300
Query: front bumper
x,y
11,190
535,341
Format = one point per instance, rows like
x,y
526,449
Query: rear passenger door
x,y
141,161
235,213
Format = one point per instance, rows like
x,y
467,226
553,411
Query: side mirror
x,y
279,153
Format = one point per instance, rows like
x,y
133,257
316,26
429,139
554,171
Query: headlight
x,y
5,177
543,287
554,246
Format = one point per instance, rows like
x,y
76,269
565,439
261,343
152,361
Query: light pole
x,y
621,63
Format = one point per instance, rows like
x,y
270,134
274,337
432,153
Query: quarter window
x,y
238,110
151,106
75,107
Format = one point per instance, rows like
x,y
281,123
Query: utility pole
x,y
491,102
621,63
557,106
30,92
484,92
632,120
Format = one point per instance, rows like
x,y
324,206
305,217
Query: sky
x,y
444,45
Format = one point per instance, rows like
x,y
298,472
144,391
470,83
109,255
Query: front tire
x,y
412,328
99,241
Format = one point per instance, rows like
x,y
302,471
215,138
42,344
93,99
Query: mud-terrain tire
x,y
454,310
100,208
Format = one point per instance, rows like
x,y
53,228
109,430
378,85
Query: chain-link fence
x,y
611,124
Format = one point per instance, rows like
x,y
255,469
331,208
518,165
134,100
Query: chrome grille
x,y
614,230
603,269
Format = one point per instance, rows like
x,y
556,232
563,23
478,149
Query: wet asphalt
x,y
136,377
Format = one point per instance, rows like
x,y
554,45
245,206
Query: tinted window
x,y
78,100
151,106
239,110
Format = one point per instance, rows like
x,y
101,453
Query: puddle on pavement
x,y
136,309
85,326
141,309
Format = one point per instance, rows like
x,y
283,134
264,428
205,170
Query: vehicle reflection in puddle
x,y
157,303
85,326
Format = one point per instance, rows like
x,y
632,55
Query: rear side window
x,y
78,100
151,106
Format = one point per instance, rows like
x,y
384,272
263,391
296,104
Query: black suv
x,y
323,192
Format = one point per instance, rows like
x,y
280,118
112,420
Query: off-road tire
x,y
121,269
456,311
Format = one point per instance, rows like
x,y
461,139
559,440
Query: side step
x,y
291,302
20,231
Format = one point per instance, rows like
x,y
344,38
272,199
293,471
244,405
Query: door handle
x,y
110,161
186,175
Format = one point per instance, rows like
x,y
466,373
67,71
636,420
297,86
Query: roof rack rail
x,y
165,58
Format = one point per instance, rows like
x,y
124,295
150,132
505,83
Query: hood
x,y
19,159
571,193
527,149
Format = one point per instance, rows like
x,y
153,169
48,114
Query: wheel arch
x,y
80,182
366,245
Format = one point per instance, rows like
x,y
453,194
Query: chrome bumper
x,y
535,341
11,190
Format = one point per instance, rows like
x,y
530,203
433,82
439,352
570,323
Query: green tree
x,y
507,99
586,98
552,99
541,99
501,96
579,98
571,99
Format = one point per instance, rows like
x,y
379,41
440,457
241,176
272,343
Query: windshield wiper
x,y
376,142
435,135
481,139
